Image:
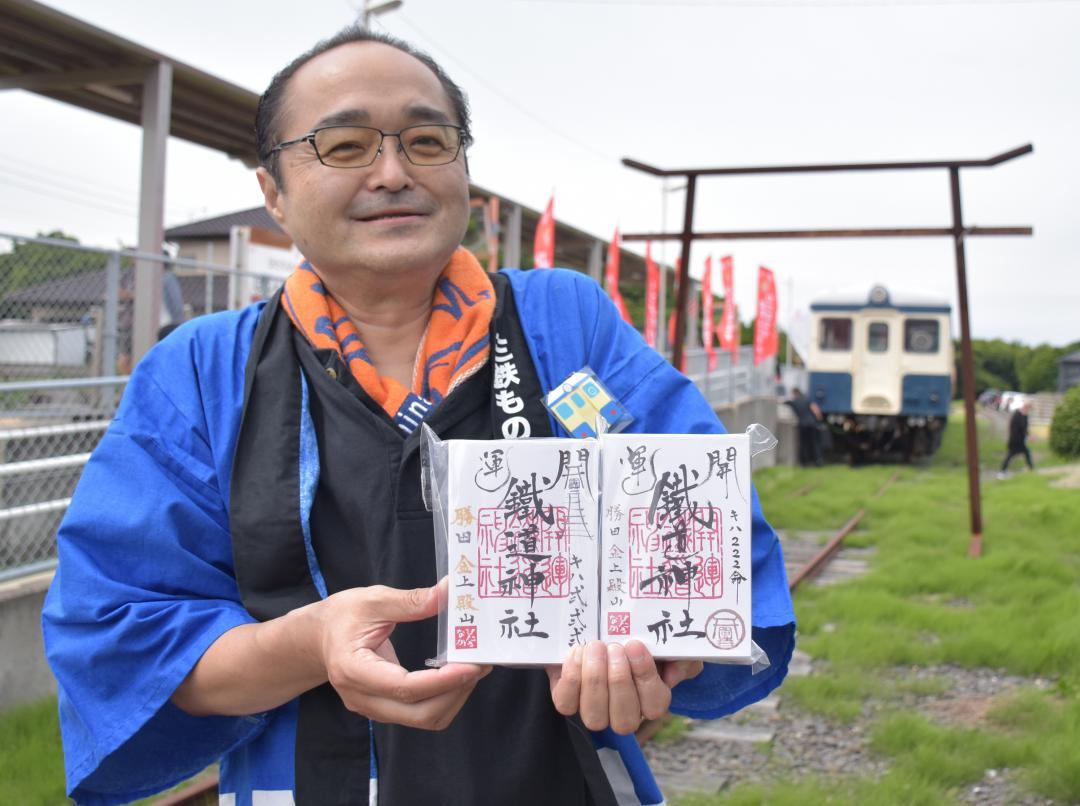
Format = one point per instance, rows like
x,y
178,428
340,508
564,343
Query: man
x,y
809,417
264,595
172,301
1018,434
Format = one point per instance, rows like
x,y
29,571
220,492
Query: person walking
x,y
1018,434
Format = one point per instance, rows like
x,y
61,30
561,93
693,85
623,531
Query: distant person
x,y
172,313
810,417
172,302
1018,433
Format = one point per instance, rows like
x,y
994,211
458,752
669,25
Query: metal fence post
x,y
109,331
208,298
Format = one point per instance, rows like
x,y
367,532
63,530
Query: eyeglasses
x,y
359,146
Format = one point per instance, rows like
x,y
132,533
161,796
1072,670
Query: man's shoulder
x,y
214,344
555,296
230,329
541,281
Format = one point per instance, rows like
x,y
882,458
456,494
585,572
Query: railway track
x,y
820,560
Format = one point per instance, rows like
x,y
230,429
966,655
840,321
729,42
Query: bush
x,y
1065,429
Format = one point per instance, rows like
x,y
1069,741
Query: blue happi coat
x,y
145,582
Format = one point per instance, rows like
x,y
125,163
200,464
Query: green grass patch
x,y
674,727
31,762
1053,721
891,790
836,694
947,757
925,602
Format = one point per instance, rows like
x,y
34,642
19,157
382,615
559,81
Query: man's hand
x,y
362,666
616,686
344,639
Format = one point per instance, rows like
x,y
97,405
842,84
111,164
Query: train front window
x,y
877,337
835,334
921,336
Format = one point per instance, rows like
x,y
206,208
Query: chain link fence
x,y
67,316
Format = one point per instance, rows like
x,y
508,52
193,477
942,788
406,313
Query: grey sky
x,y
561,90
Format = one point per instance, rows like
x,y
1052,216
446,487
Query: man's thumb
x,y
416,604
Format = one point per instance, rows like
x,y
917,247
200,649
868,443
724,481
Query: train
x,y
880,367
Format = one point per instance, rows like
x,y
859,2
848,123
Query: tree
x,y
1038,372
30,264
1065,427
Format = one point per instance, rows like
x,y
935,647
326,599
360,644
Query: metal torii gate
x,y
957,231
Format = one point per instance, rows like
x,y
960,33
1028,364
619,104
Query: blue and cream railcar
x,y
881,369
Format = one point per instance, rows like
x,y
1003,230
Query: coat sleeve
x,y
144,583
662,401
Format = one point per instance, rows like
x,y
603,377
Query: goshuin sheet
x,y
523,549
675,564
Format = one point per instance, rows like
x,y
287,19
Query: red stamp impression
x,y
725,629
618,622
507,570
465,637
698,571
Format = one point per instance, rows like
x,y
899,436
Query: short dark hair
x,y
268,113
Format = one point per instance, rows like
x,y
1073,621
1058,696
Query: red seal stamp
x,y
725,629
465,637
618,623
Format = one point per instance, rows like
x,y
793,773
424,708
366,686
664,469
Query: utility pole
x,y
373,8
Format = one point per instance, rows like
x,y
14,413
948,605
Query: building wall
x,y
24,674
209,251
1068,375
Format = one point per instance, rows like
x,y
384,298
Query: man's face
x,y
391,217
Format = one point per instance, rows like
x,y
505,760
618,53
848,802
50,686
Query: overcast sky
x,y
562,89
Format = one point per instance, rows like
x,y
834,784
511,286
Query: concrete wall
x,y
24,675
773,415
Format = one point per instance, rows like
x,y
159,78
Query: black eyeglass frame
x,y
463,141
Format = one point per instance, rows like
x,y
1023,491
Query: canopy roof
x,y
50,53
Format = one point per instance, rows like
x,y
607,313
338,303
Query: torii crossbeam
x,y
957,231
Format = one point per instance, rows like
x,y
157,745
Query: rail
x,y
819,561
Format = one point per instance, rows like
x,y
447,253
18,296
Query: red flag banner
x,y
611,275
729,320
765,338
707,314
652,297
544,242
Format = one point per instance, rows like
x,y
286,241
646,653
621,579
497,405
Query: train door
x,y
876,382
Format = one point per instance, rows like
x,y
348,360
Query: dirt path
x,y
1068,476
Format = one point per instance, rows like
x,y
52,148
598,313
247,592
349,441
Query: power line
x,y
100,193
96,204
98,186
608,158
54,186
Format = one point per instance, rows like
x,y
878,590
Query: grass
x,y
674,726
31,765
925,602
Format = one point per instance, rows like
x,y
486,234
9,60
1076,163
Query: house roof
x,y
220,226
1071,358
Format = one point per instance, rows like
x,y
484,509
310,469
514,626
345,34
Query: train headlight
x,y
879,295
